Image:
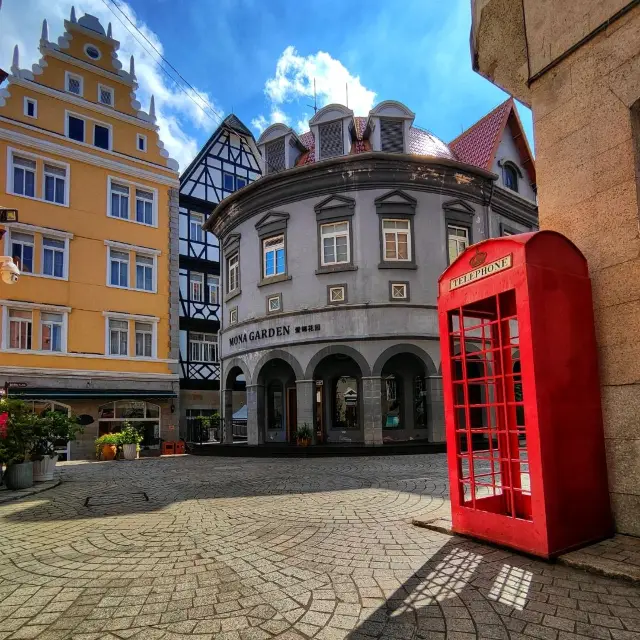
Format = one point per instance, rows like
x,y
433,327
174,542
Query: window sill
x,y
336,268
231,296
398,265
143,224
44,275
273,280
55,204
116,286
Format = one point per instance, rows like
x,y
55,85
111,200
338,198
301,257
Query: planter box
x,y
19,476
43,469
130,451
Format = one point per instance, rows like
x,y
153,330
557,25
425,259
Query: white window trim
x,y
31,306
202,286
458,228
154,275
273,249
208,288
335,234
131,332
139,137
404,288
132,198
43,231
132,251
87,121
67,180
111,90
279,299
27,100
63,341
198,215
336,288
86,46
69,74
233,315
228,271
214,342
395,233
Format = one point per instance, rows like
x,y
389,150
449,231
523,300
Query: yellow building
x,y
92,323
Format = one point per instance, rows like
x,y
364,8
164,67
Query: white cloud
x,y
261,122
294,78
177,113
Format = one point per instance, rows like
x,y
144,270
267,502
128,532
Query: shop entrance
x,y
292,414
277,407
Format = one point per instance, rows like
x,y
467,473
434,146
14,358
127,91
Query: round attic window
x,y
92,52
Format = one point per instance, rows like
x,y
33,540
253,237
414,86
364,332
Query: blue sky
x,y
257,58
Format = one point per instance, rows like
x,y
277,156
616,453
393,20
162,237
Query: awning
x,y
47,393
241,413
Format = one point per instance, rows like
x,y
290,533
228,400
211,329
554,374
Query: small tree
x,y
19,433
53,426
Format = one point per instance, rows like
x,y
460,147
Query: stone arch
x,y
341,349
397,349
232,364
280,354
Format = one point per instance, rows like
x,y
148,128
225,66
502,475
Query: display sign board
x,y
481,272
8,215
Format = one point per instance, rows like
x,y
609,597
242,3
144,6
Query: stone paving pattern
x,y
252,549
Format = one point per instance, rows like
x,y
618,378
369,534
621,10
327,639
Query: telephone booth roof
x,y
545,248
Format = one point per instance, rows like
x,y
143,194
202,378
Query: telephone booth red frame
x,y
525,442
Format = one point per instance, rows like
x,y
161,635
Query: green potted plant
x,y
130,439
203,422
303,435
18,436
107,446
214,423
51,427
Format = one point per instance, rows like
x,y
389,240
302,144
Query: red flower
x,y
4,419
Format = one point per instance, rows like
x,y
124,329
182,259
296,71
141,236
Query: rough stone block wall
x,y
588,190
372,405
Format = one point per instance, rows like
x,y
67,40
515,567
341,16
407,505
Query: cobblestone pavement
x,y
251,549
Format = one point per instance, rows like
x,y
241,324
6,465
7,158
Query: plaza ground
x,y
246,549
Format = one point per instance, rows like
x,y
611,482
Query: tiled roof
x,y
421,142
478,144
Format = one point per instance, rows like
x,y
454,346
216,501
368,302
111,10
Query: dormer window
x,y
391,135
73,83
331,139
510,177
274,156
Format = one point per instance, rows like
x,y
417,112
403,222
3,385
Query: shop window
x,y
143,416
420,401
275,406
391,394
345,404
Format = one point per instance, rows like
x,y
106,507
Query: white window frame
x,y
67,76
105,125
44,232
233,270
132,186
457,227
395,233
109,283
143,138
10,172
5,305
213,282
343,294
209,342
89,44
403,285
130,319
198,215
233,315
154,272
63,333
65,257
64,167
200,283
119,331
103,87
27,101
273,249
68,114
28,324
145,200
23,243
133,251
278,307
110,191
135,339
334,235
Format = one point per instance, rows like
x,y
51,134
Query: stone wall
x,y
588,190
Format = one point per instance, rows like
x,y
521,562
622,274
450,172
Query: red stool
x,y
168,448
179,447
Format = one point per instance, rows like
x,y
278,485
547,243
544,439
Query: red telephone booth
x,y
525,442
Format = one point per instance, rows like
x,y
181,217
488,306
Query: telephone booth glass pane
x,y
491,442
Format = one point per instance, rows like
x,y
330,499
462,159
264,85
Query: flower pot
x,y
108,452
19,476
43,469
303,442
130,451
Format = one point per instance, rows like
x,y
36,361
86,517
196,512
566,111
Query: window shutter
x,y
331,140
392,135
275,156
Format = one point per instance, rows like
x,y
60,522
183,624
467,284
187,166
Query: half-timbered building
x,y
227,162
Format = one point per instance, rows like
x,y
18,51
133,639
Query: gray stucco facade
x,y
365,368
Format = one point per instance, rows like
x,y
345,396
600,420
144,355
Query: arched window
x,y
345,403
510,177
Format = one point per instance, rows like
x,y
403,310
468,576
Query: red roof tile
x,y
478,144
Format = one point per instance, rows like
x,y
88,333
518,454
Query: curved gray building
x,y
330,264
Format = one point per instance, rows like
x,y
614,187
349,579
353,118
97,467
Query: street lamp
x,y
9,271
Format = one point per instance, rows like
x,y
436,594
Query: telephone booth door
x,y
488,405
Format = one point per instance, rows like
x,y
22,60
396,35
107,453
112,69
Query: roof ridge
x,y
478,122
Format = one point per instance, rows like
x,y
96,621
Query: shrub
x,y
304,432
129,434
